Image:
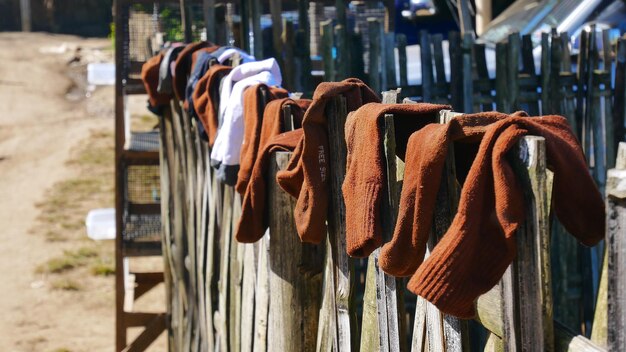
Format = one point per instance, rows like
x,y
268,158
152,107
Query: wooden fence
x,y
280,294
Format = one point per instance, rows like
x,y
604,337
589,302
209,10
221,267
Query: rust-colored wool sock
x,y
308,168
150,78
421,185
206,98
194,58
260,125
255,99
254,212
479,245
182,67
366,168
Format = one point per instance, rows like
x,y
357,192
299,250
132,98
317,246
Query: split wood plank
x,y
386,328
616,228
342,268
526,292
375,29
295,271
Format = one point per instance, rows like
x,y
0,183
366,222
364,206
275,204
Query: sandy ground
x,y
39,126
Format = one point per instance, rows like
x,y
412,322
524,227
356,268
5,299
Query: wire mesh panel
x,y
142,190
142,227
144,141
142,27
148,26
143,184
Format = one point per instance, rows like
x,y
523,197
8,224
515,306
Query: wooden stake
x,y
616,228
25,15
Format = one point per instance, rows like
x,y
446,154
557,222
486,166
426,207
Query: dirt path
x,y
38,129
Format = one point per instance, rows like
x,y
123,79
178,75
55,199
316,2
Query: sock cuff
x,y
364,232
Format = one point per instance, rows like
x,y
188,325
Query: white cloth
x,y
227,147
228,53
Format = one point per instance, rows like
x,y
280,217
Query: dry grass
x,y
69,260
62,213
103,267
82,268
56,265
145,122
65,284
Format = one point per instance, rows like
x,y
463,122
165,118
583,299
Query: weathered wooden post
x,y
528,324
212,255
25,15
343,61
616,238
276,9
522,319
375,29
401,38
559,98
432,329
303,50
502,87
528,79
389,61
181,321
357,66
262,297
288,67
200,200
337,330
546,73
256,9
512,75
427,66
222,316
468,82
465,17
222,27
440,83
484,85
208,7
456,72
294,273
185,17
327,34
483,15
381,324
619,111
248,294
169,274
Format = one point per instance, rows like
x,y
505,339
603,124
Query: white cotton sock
x,y
228,53
227,147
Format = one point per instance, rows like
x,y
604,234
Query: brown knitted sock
x,y
308,169
260,125
150,78
254,218
427,150
479,245
365,182
206,99
182,67
194,58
